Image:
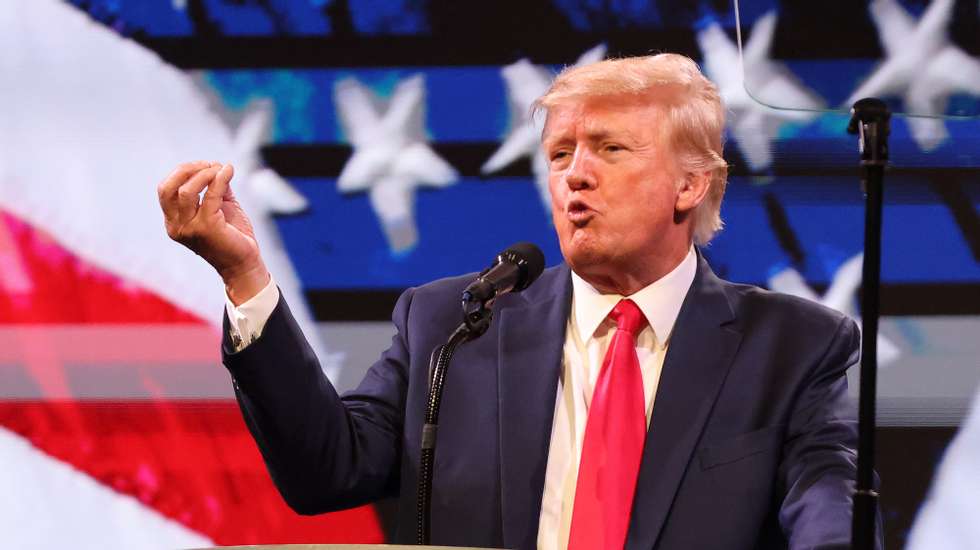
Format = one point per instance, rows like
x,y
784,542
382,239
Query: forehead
x,y
625,116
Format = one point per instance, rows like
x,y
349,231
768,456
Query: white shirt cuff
x,y
248,319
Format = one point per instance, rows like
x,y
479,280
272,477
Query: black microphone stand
x,y
870,119
476,321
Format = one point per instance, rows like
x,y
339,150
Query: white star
x,y
526,83
391,157
754,124
275,195
839,296
922,65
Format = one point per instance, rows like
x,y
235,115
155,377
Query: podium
x,y
341,547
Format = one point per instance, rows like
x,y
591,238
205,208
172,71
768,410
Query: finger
x,y
188,195
217,190
167,190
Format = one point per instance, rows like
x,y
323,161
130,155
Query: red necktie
x,y
613,445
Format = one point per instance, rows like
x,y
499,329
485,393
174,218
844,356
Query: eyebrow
x,y
598,132
595,134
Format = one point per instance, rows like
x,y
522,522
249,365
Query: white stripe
x,y
47,504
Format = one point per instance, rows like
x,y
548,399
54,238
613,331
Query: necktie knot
x,y
628,317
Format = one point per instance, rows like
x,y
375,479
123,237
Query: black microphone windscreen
x,y
531,260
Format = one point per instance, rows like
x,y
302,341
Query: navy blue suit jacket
x,y
751,442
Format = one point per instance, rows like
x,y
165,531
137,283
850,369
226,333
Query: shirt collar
x,y
660,301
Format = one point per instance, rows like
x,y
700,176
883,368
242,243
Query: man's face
x,y
614,185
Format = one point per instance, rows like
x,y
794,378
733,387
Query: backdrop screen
x,y
381,144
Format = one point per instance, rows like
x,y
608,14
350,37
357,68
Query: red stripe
x,y
193,461
42,282
113,344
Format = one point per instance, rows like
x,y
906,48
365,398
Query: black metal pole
x,y
476,320
870,120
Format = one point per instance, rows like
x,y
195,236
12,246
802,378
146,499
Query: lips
x,y
579,213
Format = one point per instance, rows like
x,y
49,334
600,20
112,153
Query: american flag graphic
x,y
118,426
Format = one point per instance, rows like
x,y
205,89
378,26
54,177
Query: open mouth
x,y
579,213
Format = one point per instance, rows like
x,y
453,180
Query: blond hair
x,y
692,107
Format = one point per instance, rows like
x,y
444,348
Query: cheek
x,y
554,184
557,195
658,193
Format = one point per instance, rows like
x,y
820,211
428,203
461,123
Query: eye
x,y
558,155
613,148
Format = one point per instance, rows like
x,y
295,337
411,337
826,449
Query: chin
x,y
585,257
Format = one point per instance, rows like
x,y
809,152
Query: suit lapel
x,y
532,336
698,359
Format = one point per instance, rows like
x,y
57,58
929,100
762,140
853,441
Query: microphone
x,y
513,270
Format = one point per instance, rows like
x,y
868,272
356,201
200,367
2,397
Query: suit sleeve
x,y
819,463
324,452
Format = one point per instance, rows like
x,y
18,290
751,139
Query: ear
x,y
692,191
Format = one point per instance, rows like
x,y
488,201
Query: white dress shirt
x,y
248,320
587,335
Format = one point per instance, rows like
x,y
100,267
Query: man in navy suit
x,y
629,398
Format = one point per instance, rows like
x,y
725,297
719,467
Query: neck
x,y
630,276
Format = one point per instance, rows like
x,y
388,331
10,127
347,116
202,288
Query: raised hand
x,y
215,227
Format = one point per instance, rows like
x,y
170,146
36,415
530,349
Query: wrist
x,y
244,284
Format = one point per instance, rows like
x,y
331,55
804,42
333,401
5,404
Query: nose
x,y
580,174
